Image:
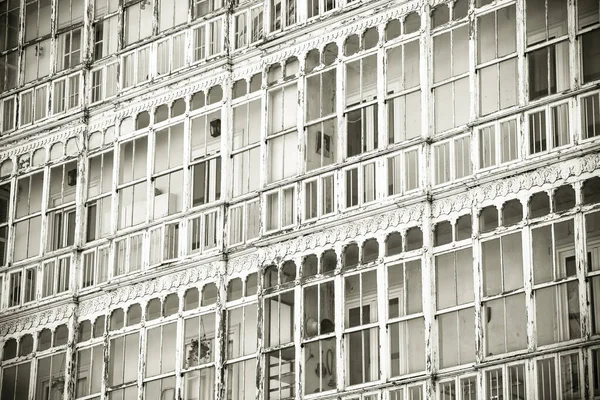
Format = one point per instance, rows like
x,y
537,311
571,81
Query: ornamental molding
x,y
354,25
371,226
172,94
43,319
27,145
513,185
246,71
130,293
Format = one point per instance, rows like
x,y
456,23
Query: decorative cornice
x,y
27,145
371,226
173,94
515,184
52,316
137,291
345,29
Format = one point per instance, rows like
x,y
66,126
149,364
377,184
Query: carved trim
x,y
27,145
515,184
137,291
53,316
362,23
371,226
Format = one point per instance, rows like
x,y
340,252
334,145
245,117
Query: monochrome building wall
x,y
288,199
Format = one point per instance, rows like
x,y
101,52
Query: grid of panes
x,y
547,50
244,222
361,104
498,143
199,342
321,121
5,200
248,27
22,285
403,171
505,382
132,186
28,217
282,122
205,146
124,353
549,127
403,90
61,206
497,60
591,219
559,376
283,14
90,358
318,326
242,326
451,77
554,263
203,231
361,327
406,323
504,317
463,387
48,357
247,123
455,304
279,347
161,344
319,195
452,159
360,184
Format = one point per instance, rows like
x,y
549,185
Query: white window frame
x,y
201,246
245,216
452,160
478,142
4,118
280,212
403,180
548,127
320,182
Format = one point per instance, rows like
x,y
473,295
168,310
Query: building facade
x,y
248,200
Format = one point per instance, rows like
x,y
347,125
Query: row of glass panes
x,y
35,104
320,196
163,243
137,251
170,55
545,366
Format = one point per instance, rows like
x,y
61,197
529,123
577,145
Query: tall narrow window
x,y
321,146
406,325
283,14
403,92
124,354
28,220
282,140
548,66
361,106
557,305
590,116
168,175
137,18
246,146
132,185
455,289
362,345
496,56
498,143
450,78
